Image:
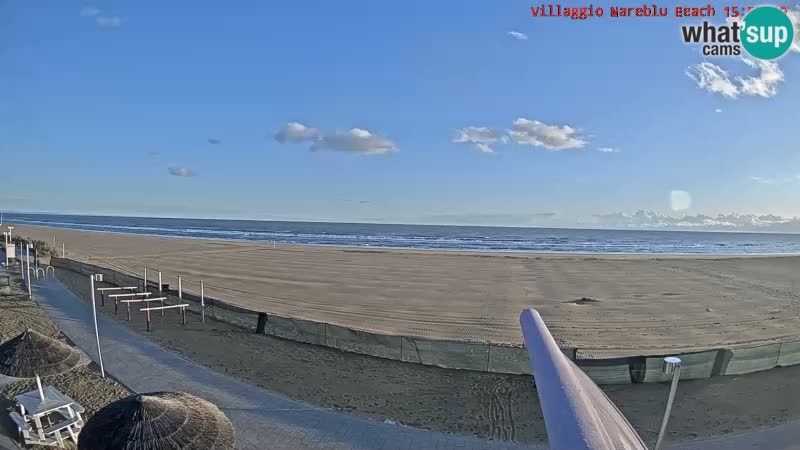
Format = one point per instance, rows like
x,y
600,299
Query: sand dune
x,y
643,304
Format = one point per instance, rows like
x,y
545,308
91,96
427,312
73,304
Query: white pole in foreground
x,y
63,251
39,387
28,272
145,279
159,281
180,289
96,333
202,301
672,365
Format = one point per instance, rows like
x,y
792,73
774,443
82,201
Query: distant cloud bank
x,y
644,219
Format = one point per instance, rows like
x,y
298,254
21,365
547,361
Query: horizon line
x,y
576,228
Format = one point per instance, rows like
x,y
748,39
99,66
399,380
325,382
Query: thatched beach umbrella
x,y
32,353
158,421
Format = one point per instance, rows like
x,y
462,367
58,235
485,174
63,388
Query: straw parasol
x,y
32,353
158,421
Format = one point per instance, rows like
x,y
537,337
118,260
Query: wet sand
x,y
642,304
473,403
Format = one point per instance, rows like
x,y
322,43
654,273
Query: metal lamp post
x,y
92,278
672,365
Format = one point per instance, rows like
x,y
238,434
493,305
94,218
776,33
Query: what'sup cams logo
x,y
765,33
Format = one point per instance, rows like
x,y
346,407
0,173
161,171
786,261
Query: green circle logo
x,y
767,32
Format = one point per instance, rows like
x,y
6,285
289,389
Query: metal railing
x,y
577,414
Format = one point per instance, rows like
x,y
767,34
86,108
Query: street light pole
x,y
96,332
672,365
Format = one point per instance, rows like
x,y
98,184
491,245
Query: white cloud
x,y
680,200
713,78
518,36
608,150
89,12
109,21
766,83
739,222
718,110
551,137
482,137
296,132
794,16
101,19
357,141
181,172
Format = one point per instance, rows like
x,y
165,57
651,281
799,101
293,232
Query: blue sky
x,y
173,109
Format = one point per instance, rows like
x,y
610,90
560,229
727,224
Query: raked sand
x,y
640,304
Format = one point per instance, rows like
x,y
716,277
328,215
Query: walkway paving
x,y
265,420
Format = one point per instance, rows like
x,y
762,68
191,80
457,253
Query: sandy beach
x,y
633,304
487,405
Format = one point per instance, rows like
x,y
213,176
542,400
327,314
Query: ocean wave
x,y
432,237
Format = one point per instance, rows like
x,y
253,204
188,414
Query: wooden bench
x,y
182,306
65,424
142,300
116,297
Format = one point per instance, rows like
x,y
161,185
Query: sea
x,y
434,237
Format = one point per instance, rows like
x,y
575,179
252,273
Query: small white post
x,y
39,387
96,332
145,279
180,289
159,281
63,251
54,241
202,301
28,272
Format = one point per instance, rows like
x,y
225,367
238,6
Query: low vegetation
x,y
40,247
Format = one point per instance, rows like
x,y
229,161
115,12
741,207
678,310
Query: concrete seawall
x,y
478,356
